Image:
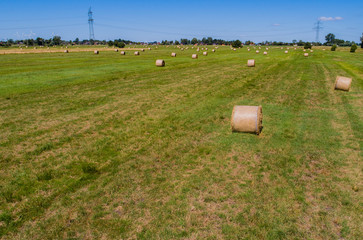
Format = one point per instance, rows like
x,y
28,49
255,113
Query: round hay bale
x,y
206,49
123,53
205,53
304,50
137,53
311,50
286,51
96,52
324,49
234,49
65,51
251,63
213,50
247,119
267,48
116,50
142,50
173,54
343,83
198,50
306,54
182,49
257,51
264,53
195,56
149,48
160,63
248,49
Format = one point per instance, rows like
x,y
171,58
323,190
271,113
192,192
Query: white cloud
x,y
330,18
276,24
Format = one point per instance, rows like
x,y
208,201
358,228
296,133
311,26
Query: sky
x,y
172,20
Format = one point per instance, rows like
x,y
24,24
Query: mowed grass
x,y
110,146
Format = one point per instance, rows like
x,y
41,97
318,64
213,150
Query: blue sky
x,y
170,20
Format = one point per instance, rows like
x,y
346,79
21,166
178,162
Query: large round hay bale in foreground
x,y
247,119
195,56
96,52
160,63
136,53
173,54
123,53
306,54
205,53
251,63
343,83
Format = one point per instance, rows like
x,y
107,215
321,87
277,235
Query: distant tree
x,y
294,41
236,44
121,44
194,41
353,48
57,40
110,43
76,41
330,38
307,45
184,41
209,41
334,47
176,42
361,40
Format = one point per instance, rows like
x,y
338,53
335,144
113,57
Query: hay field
x,y
112,147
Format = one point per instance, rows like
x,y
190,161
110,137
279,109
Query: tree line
x,y
57,40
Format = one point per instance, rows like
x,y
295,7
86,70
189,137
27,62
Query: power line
x,y
317,28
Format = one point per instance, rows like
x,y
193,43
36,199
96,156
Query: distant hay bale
x,y
234,49
264,53
206,49
311,50
282,48
259,47
136,53
213,50
247,119
286,51
96,52
248,49
198,50
195,56
267,48
257,51
123,53
304,50
343,83
65,51
324,49
205,53
306,54
182,49
149,48
173,54
116,50
142,50
251,63
160,63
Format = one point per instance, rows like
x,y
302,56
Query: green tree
x,y
76,41
361,40
194,41
330,38
176,42
353,48
57,40
236,44
334,47
307,45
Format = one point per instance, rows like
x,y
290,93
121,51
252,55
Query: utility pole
x,y
317,28
90,23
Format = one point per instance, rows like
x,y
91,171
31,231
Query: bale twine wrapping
x,y
96,52
343,83
251,63
205,53
195,56
160,63
264,53
306,54
173,54
136,53
123,53
247,119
